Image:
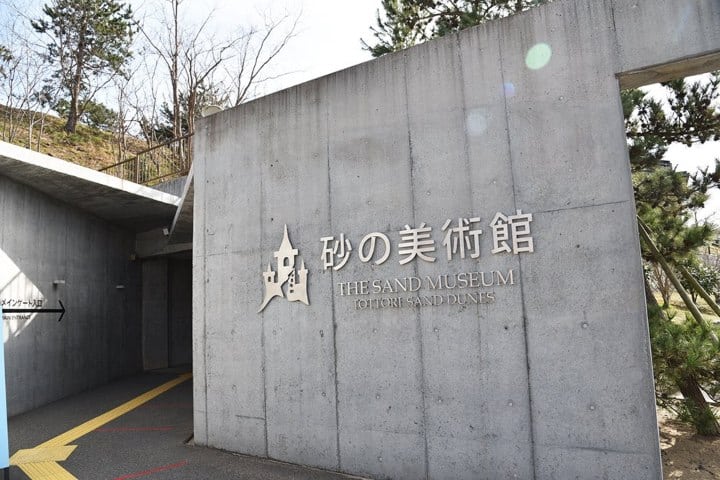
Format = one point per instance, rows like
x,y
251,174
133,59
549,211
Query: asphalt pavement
x,y
152,441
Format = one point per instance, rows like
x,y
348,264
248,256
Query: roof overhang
x,y
118,201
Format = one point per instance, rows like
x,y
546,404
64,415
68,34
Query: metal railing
x,y
166,161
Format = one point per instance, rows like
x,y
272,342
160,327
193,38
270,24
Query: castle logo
x,y
287,282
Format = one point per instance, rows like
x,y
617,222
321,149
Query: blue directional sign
x,y
4,447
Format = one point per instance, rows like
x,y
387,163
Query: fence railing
x,y
162,162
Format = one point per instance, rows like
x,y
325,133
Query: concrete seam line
x,y
333,316
531,429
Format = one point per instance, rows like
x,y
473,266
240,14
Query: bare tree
x,y
143,96
197,59
256,51
167,47
122,120
201,58
182,66
661,283
24,93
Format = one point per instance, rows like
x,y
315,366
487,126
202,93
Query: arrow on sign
x,y
60,310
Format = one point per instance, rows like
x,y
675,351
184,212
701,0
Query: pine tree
x,y
684,356
404,23
89,41
666,198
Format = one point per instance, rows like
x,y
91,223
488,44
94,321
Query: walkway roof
x,y
127,204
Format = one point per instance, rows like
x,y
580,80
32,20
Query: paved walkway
x,y
134,428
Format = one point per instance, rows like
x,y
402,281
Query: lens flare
x,y
509,89
476,121
682,23
538,56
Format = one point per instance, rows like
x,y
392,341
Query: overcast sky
x,y
328,40
690,158
328,37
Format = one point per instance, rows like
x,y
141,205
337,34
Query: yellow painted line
x,y
40,463
37,455
46,471
107,417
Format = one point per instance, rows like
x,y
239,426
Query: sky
x,y
328,40
690,158
328,34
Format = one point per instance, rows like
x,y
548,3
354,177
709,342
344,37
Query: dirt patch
x,y
686,455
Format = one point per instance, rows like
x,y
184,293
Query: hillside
x,y
88,146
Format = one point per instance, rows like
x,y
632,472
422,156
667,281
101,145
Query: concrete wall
x,y
42,240
155,313
173,187
552,380
180,312
167,312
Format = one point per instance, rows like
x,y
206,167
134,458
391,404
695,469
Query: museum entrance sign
x,y
427,266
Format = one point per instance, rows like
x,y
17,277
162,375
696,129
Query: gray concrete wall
x,y
551,381
173,187
166,312
43,240
180,312
155,313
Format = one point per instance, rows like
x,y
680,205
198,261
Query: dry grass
x,y
678,307
90,147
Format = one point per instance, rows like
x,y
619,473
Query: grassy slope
x,y
90,147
